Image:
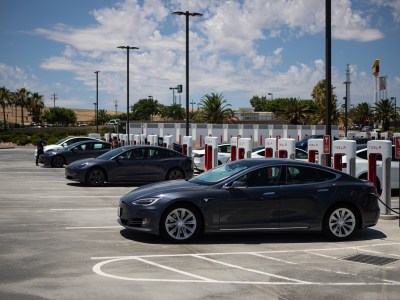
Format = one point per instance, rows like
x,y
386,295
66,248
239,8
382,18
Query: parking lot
x,y
61,240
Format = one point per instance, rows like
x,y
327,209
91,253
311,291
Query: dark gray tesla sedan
x,y
57,158
131,164
253,195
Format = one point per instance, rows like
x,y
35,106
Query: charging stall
x,y
381,149
152,139
142,139
315,150
187,143
211,152
287,148
168,141
270,147
234,147
136,139
244,148
121,139
343,148
107,137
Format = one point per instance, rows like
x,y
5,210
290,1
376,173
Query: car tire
x,y
180,223
57,161
340,223
95,177
174,174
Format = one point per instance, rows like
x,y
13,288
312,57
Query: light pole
x,y
395,113
272,95
192,105
173,94
97,101
345,116
187,14
127,86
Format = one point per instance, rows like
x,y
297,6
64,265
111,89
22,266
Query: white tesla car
x,y
224,155
65,142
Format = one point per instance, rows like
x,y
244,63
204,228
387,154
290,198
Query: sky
x,y
240,49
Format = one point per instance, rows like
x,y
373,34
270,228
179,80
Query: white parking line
x,y
78,209
76,196
276,259
93,227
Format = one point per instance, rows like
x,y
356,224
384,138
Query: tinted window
x,y
301,175
262,177
154,153
137,153
301,154
362,154
224,149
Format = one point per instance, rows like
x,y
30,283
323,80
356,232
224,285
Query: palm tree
x,y
214,109
384,112
5,97
294,111
21,100
318,94
35,105
362,114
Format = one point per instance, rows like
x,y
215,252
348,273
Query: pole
x,y
187,73
328,53
97,101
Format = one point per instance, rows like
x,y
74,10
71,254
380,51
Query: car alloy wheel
x,y
175,174
340,223
95,177
181,223
58,161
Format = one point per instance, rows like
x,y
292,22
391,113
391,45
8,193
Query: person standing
x,y
40,148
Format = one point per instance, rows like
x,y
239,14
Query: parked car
x,y
299,154
131,164
303,144
59,157
224,155
65,142
113,122
361,142
253,195
177,147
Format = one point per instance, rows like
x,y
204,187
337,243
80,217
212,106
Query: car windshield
x,y
220,173
62,141
110,154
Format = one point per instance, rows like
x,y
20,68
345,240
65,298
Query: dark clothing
x,y
39,146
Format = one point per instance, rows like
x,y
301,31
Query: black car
x,y
303,144
59,157
132,164
253,195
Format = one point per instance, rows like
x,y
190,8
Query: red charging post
x,y
211,152
287,148
234,144
270,147
344,149
315,150
187,145
244,148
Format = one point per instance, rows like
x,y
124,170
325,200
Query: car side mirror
x,y
236,185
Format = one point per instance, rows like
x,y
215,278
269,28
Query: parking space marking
x,y
93,227
77,196
78,209
276,259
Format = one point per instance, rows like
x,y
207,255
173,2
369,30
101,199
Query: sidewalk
x,y
7,145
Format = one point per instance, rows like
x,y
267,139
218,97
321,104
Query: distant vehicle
x,y
65,142
86,149
361,142
113,122
303,144
175,146
366,128
253,195
299,154
82,125
224,155
131,164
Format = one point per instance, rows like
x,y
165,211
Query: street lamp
x,y
97,101
272,95
173,94
345,116
127,86
187,14
395,112
192,105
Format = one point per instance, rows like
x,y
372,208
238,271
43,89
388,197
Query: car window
x,y
99,146
154,153
219,173
261,153
301,175
224,149
268,176
301,154
137,153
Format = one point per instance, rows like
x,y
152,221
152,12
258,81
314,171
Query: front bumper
x,y
143,219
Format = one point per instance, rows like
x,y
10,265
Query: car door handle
x,y
268,193
323,190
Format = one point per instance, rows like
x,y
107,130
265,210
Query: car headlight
x,y
82,165
146,201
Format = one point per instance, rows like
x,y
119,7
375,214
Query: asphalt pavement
x,y
61,240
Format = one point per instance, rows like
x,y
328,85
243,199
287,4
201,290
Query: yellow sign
x,y
375,68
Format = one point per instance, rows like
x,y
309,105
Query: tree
x,y
362,114
294,111
145,109
259,103
214,109
60,115
384,111
5,100
319,115
21,101
35,105
174,111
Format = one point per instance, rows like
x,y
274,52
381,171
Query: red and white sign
x,y
397,146
327,144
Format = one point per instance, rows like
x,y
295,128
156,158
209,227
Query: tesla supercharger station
x,y
344,148
270,147
107,137
384,149
287,148
234,147
168,141
131,138
152,139
211,152
136,139
121,139
187,143
315,150
244,148
142,139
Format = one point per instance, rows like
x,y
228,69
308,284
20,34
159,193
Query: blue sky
x,y
237,48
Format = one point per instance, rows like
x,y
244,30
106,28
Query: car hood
x,y
164,187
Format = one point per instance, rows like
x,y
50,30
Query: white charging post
x,y
244,148
211,152
287,148
107,137
343,148
315,150
187,143
270,147
142,139
152,139
383,149
136,139
168,141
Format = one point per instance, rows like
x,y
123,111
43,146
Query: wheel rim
x,y
96,177
58,161
175,174
342,222
180,224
